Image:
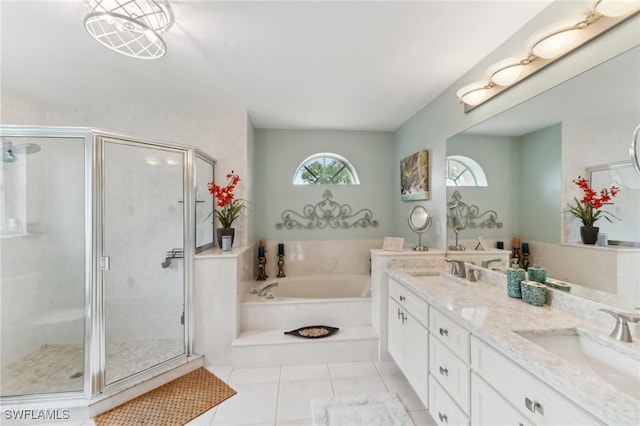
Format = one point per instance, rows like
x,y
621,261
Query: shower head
x,y
9,150
26,148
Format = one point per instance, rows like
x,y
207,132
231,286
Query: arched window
x,y
326,168
463,171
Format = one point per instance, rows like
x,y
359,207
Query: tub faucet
x,y
457,267
486,263
263,292
621,330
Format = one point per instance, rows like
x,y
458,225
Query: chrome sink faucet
x,y
474,274
621,330
266,289
457,268
486,263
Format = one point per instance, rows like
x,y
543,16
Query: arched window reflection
x,y
464,171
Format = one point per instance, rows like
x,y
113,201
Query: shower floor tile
x,y
58,368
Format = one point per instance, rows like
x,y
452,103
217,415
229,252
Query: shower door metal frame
x,y
81,396
98,373
94,386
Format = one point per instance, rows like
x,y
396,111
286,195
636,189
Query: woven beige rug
x,y
174,403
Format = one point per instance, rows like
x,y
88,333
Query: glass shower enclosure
x,y
97,237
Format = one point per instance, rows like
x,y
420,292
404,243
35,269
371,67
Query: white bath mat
x,y
378,409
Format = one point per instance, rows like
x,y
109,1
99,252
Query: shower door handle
x,y
633,151
105,263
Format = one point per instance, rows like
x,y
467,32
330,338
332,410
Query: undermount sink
x,y
424,274
587,353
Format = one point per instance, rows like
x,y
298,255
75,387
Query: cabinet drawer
x,y
408,300
450,372
454,336
488,407
540,403
442,408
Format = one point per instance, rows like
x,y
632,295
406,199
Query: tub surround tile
x,y
482,308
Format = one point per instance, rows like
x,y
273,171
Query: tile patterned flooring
x,y
55,368
282,395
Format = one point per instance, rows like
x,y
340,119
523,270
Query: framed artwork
x,y
414,176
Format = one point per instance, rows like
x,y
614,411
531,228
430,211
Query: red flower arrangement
x,y
230,208
587,209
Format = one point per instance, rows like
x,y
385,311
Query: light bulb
x,y
474,93
615,8
507,71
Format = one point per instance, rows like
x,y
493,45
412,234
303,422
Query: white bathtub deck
x,y
266,348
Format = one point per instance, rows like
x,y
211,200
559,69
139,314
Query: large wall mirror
x,y
532,152
204,201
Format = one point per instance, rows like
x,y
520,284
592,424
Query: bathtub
x,y
335,300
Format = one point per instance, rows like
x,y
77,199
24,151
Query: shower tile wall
x,y
43,252
143,220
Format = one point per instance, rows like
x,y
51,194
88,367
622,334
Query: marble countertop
x,y
487,312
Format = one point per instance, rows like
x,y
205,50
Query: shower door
x,y
142,266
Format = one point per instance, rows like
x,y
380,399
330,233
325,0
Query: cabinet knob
x,y
443,417
444,371
402,298
399,314
444,332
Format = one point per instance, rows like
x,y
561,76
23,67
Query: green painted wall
x,y
278,153
540,188
498,156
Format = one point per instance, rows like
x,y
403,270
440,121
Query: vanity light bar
x,y
548,45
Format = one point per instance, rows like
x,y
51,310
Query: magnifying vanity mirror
x,y
531,154
419,221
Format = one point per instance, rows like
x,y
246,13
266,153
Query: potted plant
x,y
588,208
228,208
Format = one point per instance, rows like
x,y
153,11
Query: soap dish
x,y
558,285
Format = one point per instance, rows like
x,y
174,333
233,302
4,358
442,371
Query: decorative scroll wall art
x,y
462,215
414,176
327,213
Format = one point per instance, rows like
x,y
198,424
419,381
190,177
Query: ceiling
x,y
354,65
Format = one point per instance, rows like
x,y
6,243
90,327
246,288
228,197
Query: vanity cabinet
x,y
449,369
408,337
537,402
488,407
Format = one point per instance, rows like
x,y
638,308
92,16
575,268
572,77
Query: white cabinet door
x,y
489,408
408,345
442,408
395,333
450,372
539,402
416,357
